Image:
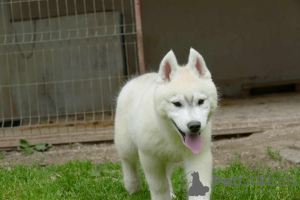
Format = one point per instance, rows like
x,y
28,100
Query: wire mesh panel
x,y
62,63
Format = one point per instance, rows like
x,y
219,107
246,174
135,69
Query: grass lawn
x,y
84,180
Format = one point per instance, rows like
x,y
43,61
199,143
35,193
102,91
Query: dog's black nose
x,y
194,126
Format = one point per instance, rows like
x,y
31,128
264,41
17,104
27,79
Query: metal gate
x,y
62,63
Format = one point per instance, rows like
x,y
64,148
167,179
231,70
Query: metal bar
x,y
139,35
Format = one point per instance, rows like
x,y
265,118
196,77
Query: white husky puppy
x,y
164,118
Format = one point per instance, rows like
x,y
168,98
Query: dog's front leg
x,y
155,172
200,164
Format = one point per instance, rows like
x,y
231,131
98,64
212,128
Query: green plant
x,y
43,146
26,148
2,155
237,155
274,154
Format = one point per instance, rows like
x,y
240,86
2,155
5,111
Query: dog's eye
x,y
177,104
200,102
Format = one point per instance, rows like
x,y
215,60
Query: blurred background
x,y
241,41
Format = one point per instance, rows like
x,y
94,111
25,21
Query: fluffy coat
x,y
164,118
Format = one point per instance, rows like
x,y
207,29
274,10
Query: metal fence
x,y
62,63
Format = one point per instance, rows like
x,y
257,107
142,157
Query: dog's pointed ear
x,y
196,63
168,66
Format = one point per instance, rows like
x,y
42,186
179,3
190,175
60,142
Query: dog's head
x,y
186,96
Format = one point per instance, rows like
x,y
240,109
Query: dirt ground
x,y
279,113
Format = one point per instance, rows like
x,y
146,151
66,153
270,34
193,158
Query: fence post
x,y
140,46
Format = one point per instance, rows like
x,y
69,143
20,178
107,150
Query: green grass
x,y
274,154
84,180
2,156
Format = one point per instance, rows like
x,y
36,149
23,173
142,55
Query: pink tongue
x,y
194,142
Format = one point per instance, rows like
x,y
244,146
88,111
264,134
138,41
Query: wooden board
x,y
247,87
107,134
8,144
233,131
246,130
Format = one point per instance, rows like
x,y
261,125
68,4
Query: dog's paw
x,y
173,196
132,188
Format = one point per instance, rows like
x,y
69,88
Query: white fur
x,y
144,129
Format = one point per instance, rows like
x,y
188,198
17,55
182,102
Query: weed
x,y
26,148
274,154
71,145
2,156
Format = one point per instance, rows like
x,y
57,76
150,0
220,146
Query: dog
x,y
164,118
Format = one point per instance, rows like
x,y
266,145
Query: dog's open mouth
x,y
192,141
182,133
